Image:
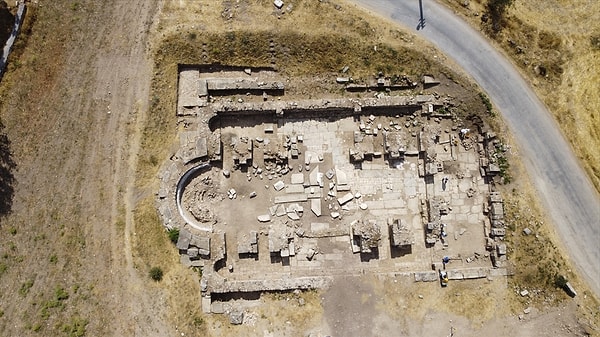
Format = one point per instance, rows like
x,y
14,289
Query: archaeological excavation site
x,y
271,193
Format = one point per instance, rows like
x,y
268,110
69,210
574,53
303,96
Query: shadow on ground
x,y
7,179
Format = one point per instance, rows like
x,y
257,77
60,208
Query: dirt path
x,y
124,77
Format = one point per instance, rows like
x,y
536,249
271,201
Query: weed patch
x,y
25,286
76,327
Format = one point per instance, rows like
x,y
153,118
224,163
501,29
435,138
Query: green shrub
x,y
560,281
156,274
173,234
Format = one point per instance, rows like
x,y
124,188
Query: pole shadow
x,y
421,24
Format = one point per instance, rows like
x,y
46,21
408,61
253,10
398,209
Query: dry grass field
x,y
87,111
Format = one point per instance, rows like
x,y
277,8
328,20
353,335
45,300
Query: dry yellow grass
x,y
575,100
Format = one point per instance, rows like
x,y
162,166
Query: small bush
x,y
560,281
497,10
198,321
595,41
173,234
156,274
153,160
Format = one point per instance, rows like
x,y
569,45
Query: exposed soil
x,y
369,306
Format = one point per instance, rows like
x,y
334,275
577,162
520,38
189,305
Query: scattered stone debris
x,y
236,317
401,235
315,206
264,218
346,198
310,254
365,235
278,186
429,81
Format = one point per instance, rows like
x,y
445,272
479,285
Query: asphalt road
x,y
563,186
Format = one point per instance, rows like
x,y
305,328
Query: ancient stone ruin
x,y
276,194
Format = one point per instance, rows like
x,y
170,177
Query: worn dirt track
x,y
561,183
76,160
